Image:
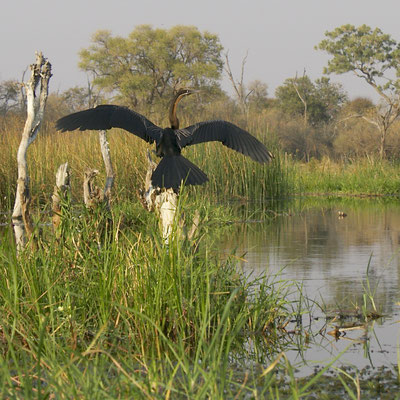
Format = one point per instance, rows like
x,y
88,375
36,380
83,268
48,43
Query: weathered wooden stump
x,y
61,188
165,202
40,76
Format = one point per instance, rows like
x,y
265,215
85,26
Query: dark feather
x,y
228,134
173,170
110,116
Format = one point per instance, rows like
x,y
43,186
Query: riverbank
x,y
362,177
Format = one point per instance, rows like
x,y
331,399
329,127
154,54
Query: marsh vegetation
x,y
105,308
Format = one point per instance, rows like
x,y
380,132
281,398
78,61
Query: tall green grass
x,y
231,174
367,176
108,311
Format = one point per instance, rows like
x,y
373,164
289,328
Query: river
x,y
342,253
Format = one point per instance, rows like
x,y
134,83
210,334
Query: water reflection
x,y
330,255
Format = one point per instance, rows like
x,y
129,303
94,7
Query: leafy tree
x,y
355,137
78,97
11,97
258,95
375,57
146,67
317,102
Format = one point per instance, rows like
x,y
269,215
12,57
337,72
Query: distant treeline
x,y
306,119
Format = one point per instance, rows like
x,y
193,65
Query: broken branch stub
x,y
163,201
40,76
105,152
166,203
92,195
148,195
60,191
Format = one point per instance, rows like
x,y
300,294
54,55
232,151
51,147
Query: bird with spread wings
x,y
173,169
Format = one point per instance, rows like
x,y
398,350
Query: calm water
x,y
308,243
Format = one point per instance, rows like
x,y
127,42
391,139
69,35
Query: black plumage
x,y
173,167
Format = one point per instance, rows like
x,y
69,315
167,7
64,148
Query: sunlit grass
x,y
359,177
108,311
230,174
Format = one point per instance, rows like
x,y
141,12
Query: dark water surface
x,y
308,242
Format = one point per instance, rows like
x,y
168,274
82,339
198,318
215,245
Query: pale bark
x,y
40,76
60,190
91,193
302,99
148,195
239,86
166,203
105,151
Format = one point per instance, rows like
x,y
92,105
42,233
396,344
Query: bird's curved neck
x,y
173,119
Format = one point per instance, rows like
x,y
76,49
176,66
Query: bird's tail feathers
x,y
172,170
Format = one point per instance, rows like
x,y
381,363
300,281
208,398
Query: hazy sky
x,y
279,35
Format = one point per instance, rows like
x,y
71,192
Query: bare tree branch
x,y
239,86
302,99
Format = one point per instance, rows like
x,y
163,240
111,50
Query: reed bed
x,y
230,174
366,176
108,311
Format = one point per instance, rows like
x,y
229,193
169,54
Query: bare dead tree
x,y
61,188
239,85
36,103
301,97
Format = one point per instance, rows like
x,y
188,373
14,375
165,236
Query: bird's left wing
x,y
228,134
111,116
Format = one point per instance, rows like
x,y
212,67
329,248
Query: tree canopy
x,y
10,96
321,100
375,57
150,64
369,53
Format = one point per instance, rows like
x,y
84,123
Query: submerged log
x,y
40,76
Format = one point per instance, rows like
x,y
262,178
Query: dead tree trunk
x,y
302,98
60,190
165,203
91,193
40,76
105,151
239,86
148,195
162,201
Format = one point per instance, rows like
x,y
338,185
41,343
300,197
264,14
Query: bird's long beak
x,y
193,91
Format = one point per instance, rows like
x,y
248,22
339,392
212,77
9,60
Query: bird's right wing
x,y
111,116
228,134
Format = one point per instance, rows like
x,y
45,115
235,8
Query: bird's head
x,y
178,95
185,92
